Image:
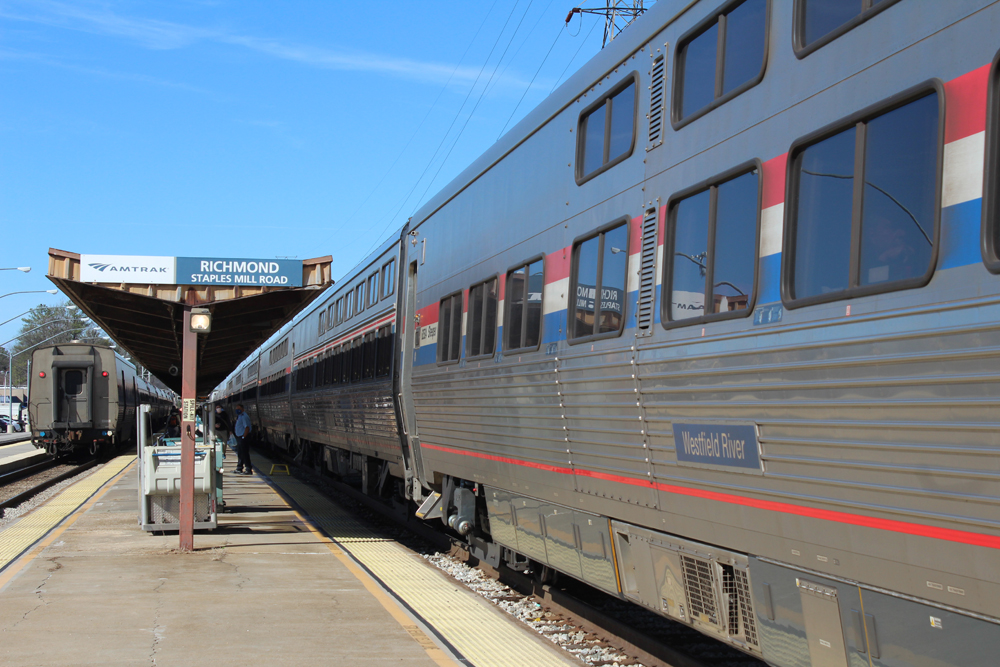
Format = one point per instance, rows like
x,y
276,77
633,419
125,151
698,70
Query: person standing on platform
x,y
241,429
222,427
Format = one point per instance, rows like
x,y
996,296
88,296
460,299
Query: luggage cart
x,y
160,480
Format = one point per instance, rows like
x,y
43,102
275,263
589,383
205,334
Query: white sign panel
x,y
128,269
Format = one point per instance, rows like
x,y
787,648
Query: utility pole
x,y
618,15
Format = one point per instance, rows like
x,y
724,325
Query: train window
x,y
330,313
359,297
991,183
322,322
598,283
339,310
523,298
386,342
388,278
73,382
345,365
481,326
719,58
863,215
449,334
357,359
369,367
818,22
712,248
373,289
349,306
606,131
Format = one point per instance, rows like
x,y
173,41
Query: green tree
x,y
46,325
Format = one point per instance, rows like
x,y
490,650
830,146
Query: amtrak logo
x,y
111,268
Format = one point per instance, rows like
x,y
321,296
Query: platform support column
x,y
189,376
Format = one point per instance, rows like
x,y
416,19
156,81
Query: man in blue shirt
x,y
241,429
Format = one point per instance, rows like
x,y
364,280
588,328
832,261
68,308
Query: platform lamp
x,y
24,269
196,321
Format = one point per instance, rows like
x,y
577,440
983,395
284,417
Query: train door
x,y
74,395
410,339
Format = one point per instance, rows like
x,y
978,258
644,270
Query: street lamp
x,y
33,291
25,269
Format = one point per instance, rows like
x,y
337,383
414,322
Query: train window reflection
x,y
818,22
897,223
523,321
606,131
720,58
599,276
712,244
865,209
823,233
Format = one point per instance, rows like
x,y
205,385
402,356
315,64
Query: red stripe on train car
x,y
557,266
905,527
774,181
965,110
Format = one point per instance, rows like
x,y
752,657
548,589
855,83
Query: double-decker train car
x,y
82,399
716,329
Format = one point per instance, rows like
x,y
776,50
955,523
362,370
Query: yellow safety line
x,y
434,652
18,537
466,623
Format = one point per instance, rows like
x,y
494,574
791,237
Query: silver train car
x,y
715,328
82,399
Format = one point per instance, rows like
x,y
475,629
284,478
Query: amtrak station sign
x,y
144,270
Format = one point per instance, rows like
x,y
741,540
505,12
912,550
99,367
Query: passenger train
x,y
82,399
715,328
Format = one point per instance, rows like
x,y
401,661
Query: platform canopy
x,y
140,301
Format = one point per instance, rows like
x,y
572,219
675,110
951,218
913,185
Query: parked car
x,y
10,425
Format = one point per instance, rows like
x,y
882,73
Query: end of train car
x,y
83,399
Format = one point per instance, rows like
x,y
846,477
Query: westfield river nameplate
x,y
718,445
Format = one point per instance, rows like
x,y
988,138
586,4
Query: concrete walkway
x,y
262,589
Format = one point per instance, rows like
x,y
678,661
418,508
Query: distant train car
x,y
83,397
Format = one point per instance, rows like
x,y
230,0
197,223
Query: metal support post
x,y
189,373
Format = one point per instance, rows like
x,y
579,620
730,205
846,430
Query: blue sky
x,y
253,129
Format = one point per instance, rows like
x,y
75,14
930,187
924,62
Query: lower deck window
x,y
712,248
599,280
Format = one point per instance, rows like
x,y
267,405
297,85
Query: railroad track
x,y
571,609
22,484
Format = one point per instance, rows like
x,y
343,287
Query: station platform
x,y
288,578
17,452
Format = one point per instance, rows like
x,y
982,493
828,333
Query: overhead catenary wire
x,y
530,83
454,120
386,173
474,107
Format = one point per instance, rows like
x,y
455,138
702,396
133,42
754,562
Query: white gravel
x,y
579,643
13,513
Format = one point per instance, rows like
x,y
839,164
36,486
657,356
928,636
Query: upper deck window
x,y
606,132
819,22
523,321
600,262
863,215
373,289
388,277
712,249
719,59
